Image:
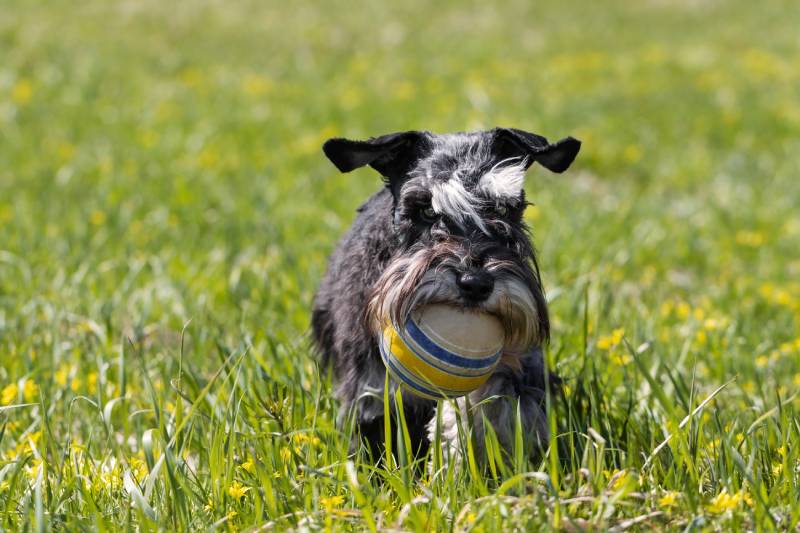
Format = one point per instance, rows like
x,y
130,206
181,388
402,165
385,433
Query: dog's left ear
x,y
556,157
392,155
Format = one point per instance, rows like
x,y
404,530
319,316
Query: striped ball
x,y
443,351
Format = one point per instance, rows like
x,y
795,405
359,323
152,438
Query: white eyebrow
x,y
505,179
453,199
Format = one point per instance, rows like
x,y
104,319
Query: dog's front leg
x,y
496,403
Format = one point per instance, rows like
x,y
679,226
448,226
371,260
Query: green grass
x,y
166,213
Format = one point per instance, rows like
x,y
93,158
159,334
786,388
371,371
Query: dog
x,y
447,227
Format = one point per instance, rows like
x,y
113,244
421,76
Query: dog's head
x,y
458,220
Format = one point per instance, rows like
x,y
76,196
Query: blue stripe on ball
x,y
409,381
429,347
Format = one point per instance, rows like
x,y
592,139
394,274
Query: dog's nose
x,y
476,285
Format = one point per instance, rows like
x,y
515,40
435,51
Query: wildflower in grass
x,y
701,336
607,342
249,466
632,153
621,478
669,499
699,314
301,439
30,391
22,92
237,490
753,239
4,486
777,468
724,502
286,454
97,218
33,469
713,324
62,375
684,310
762,361
91,382
9,394
331,502
138,468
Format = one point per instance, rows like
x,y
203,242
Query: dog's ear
x,y
557,157
392,155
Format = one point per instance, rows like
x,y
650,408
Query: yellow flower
x,y
33,470
621,358
331,502
62,375
9,394
669,499
22,92
4,486
302,438
606,342
286,454
723,502
249,466
754,239
138,468
97,218
237,490
620,478
762,361
30,390
632,153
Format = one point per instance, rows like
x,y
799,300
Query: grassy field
x,y
166,213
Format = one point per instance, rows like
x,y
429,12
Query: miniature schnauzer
x,y
447,228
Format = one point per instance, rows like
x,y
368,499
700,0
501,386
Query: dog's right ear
x,y
392,155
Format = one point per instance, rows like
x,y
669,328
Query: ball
x,y
443,351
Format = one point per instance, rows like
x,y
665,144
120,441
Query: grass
x,y
166,213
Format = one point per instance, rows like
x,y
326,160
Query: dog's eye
x,y
501,210
428,215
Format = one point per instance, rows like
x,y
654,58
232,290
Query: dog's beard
x,y
428,275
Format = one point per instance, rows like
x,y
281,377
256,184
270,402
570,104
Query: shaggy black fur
x,y
450,214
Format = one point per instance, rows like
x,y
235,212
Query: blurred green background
x,y
160,163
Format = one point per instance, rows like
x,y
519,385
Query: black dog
x,y
447,228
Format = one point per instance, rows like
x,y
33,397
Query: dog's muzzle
x,y
443,274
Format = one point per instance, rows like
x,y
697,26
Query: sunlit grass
x,y
166,214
